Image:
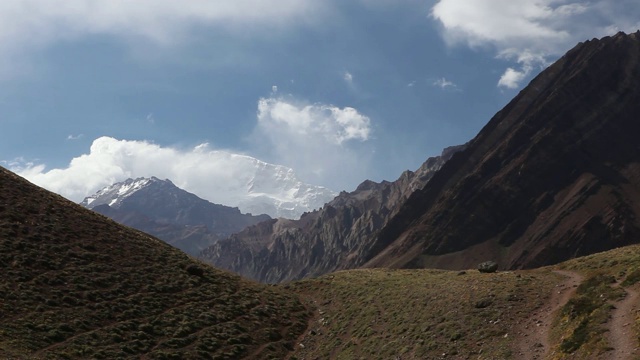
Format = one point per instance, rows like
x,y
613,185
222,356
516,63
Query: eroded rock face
x,y
554,175
335,237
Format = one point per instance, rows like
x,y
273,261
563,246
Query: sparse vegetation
x,y
419,314
76,285
580,327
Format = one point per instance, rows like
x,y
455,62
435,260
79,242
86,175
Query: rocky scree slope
x,y
554,175
333,238
77,285
161,209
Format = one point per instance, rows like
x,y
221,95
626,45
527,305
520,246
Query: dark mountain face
x,y
554,175
76,285
333,238
161,209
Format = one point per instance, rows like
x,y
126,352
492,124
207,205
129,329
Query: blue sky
x,y
339,90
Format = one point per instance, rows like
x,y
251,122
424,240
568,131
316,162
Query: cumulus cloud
x,y
530,32
316,140
218,176
324,143
512,78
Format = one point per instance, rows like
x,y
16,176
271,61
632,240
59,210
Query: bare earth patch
x,y
533,336
622,336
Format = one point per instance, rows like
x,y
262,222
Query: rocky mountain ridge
x,y
332,238
161,209
552,176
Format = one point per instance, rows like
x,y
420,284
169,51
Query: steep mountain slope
x,y
161,209
77,285
554,175
333,238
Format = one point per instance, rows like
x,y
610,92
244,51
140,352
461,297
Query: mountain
x,y
76,285
332,238
554,175
161,209
274,190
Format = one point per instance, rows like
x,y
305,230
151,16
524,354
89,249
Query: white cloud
x,y
333,124
530,32
445,84
29,23
323,143
512,78
348,77
75,137
316,140
218,176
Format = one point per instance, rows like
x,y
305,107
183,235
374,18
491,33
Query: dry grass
x,y
430,314
419,314
77,285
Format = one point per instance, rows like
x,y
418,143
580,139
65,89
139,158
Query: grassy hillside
x,y
419,314
583,324
435,314
77,285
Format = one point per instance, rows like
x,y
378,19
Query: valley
x,y
549,189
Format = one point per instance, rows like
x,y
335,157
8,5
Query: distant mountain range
x,y
336,237
161,209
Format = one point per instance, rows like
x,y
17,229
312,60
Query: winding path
x,y
622,337
533,342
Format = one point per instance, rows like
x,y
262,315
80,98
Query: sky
x,y
96,91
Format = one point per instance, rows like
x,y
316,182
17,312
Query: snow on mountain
x,y
276,191
265,189
113,195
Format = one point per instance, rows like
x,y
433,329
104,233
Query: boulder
x,y
488,267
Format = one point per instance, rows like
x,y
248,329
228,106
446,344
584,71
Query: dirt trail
x,y
533,337
622,337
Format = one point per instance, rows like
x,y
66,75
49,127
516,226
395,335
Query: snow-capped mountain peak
x,y
113,195
268,189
